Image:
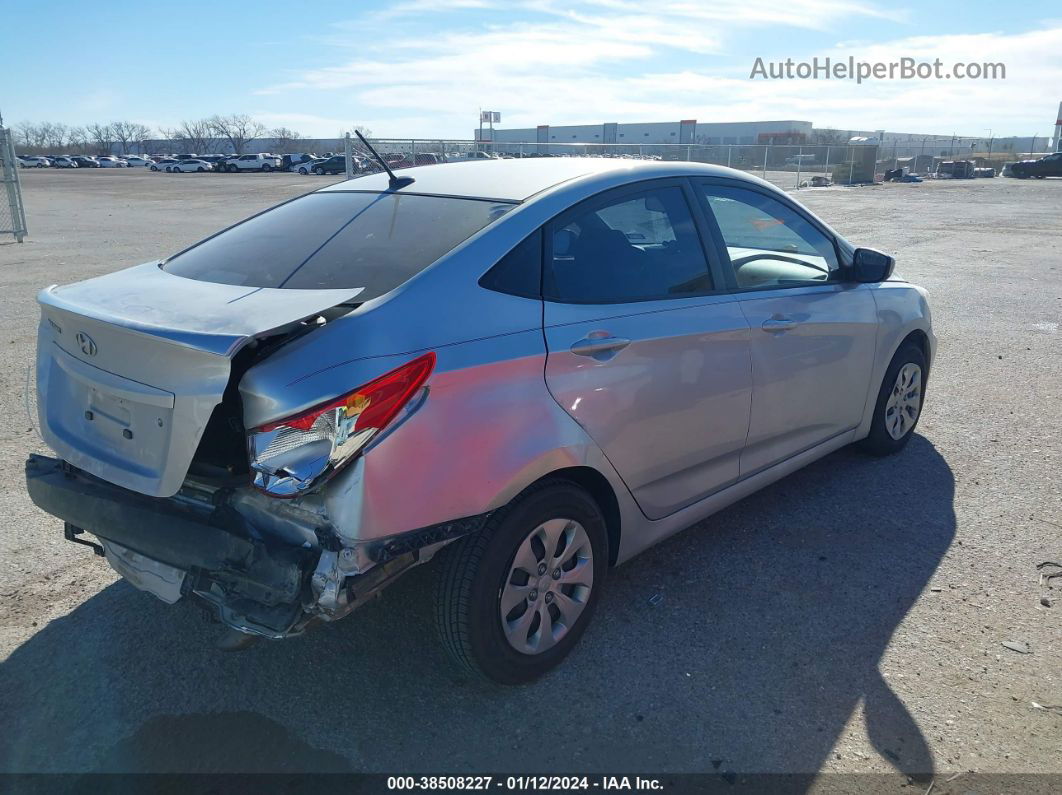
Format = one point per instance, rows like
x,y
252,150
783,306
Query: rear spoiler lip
x,y
220,343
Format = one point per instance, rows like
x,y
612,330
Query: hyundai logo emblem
x,y
86,343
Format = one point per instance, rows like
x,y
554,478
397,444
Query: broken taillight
x,y
289,456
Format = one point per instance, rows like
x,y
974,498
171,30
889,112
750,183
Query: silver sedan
x,y
533,369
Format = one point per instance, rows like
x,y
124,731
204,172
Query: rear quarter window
x,y
337,239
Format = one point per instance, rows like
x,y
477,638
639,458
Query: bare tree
x,y
355,142
193,136
238,129
139,134
77,138
32,134
123,133
55,134
101,136
130,132
284,140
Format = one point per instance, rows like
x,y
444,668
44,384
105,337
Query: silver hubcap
x,y
548,586
905,401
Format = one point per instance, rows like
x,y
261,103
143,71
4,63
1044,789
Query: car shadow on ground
x,y
743,645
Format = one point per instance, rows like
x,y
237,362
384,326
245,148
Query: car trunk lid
x,y
130,366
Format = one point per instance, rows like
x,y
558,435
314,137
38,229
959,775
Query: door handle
x,y
777,324
600,348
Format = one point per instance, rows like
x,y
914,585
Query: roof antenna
x,y
394,183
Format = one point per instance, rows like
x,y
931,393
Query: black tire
x,y
154,168
266,167
472,572
200,169
319,172
880,442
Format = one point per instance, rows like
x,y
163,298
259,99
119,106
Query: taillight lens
x,y
291,455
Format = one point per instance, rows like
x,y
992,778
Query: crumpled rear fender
x,y
444,460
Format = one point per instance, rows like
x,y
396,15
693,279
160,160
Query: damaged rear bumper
x,y
257,580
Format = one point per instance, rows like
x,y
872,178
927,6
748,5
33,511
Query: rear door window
x,y
641,245
372,240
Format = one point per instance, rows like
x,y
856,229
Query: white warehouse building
x,y
688,131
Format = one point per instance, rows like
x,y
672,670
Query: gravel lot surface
x,y
849,618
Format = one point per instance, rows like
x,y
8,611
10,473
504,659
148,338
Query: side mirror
x,y
869,266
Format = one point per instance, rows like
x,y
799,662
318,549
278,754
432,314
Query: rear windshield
x,y
337,240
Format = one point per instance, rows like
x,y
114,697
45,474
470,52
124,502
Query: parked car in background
x,y
111,162
64,162
1050,166
34,161
214,160
337,164
306,166
419,159
538,369
137,160
292,161
162,163
84,161
189,165
263,161
192,156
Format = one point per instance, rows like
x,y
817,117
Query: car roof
x,y
518,179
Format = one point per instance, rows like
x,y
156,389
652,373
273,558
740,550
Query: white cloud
x,y
600,60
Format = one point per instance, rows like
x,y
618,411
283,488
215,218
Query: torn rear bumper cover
x,y
256,582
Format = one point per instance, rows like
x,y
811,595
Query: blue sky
x,y
419,68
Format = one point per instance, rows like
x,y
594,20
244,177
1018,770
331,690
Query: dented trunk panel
x,y
130,366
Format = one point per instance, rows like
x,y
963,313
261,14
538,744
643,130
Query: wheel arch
x,y
598,487
921,339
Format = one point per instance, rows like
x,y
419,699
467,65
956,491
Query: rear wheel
x,y
899,404
513,599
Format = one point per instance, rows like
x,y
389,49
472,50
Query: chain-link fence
x,y
784,165
12,212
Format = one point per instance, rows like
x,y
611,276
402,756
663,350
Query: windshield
x,y
338,239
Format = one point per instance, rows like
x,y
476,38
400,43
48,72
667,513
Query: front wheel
x,y
513,599
899,403
319,172
266,167
200,169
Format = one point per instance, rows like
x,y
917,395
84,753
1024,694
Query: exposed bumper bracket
x,y
71,533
